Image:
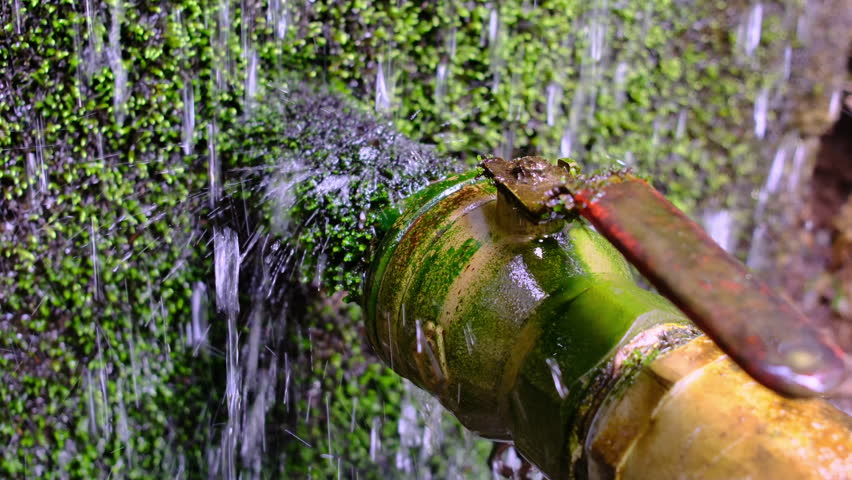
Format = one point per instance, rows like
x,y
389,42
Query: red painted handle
x,y
762,331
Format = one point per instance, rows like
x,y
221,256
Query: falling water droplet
x,y
565,144
776,170
554,97
788,60
680,129
441,81
800,156
96,270
469,338
278,16
105,410
116,63
620,82
188,118
328,426
752,28
251,78
758,254
556,373
287,373
493,27
835,104
383,98
597,38
35,164
198,329
375,443
16,6
452,48
719,224
226,276
213,169
354,411
226,269
90,397
761,105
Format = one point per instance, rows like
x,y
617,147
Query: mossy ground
x,y
112,113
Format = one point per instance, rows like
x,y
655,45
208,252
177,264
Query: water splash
x,y
245,366
424,429
508,464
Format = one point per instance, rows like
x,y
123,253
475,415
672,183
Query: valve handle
x,y
761,330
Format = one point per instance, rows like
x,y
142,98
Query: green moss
x,y
93,257
493,98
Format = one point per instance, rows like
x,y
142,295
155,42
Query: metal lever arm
x,y
761,330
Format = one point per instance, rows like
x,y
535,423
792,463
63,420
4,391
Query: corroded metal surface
x,y
531,182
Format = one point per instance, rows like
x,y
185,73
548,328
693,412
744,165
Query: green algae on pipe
x,y
533,332
504,324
